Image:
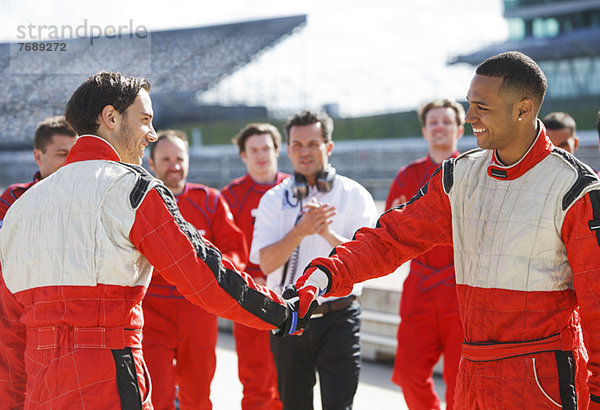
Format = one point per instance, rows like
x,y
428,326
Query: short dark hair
x,y
98,91
519,74
165,134
558,121
307,117
50,127
458,110
256,129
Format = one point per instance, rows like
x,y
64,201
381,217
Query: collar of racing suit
x,y
257,186
37,177
540,148
91,147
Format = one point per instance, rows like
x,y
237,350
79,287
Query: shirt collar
x,y
91,147
265,187
183,192
540,148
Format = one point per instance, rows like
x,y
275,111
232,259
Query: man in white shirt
x,y
297,220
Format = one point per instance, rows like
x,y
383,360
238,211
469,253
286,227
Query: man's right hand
x,y
312,284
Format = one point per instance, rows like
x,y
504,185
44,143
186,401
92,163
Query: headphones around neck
x,y
324,183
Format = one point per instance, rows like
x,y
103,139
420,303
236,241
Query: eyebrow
x,y
476,102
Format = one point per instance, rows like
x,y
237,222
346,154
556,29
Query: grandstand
x,y
36,85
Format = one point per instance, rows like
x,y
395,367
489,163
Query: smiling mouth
x,y
479,130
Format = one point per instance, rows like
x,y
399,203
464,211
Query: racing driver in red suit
x,y
175,328
258,145
52,142
77,251
524,221
430,322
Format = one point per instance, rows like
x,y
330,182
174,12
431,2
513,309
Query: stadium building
x,y
563,37
37,83
180,64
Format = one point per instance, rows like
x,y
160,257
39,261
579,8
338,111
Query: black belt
x,y
333,306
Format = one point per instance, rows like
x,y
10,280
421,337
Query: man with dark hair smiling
x,y
524,221
77,252
297,220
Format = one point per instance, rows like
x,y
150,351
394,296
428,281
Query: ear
x,y
524,108
37,156
109,117
243,156
329,148
461,131
575,142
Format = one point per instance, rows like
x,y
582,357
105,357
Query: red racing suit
x,y
526,239
13,192
430,324
175,328
77,252
256,367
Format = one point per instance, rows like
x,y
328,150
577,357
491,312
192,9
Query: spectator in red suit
x,y
52,142
174,328
259,146
430,322
562,131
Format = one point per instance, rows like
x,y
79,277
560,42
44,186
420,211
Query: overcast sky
x,y
389,55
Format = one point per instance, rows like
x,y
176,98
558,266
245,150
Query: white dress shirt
x,y
278,211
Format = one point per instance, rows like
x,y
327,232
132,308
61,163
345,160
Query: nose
x,y
304,150
151,135
469,115
174,166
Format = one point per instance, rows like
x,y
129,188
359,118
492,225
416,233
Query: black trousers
x,y
331,346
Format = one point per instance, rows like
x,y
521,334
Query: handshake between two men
x,y
302,300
